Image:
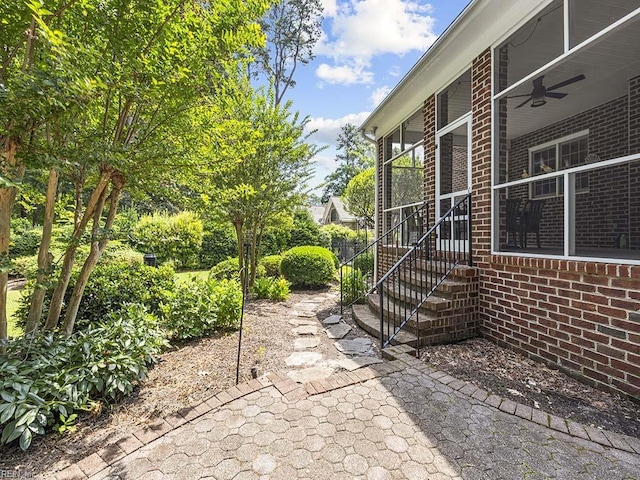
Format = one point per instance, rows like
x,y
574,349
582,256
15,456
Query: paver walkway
x,y
398,420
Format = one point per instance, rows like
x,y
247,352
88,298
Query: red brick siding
x,y
481,155
575,315
429,145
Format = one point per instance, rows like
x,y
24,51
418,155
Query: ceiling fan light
x,y
538,101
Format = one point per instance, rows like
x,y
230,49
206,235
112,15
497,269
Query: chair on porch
x,y
513,221
530,221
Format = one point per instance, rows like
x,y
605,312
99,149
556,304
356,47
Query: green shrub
x,y
111,287
26,267
25,238
309,266
117,252
124,225
339,232
271,265
218,243
276,240
201,307
46,377
176,238
229,269
305,230
277,289
364,263
353,287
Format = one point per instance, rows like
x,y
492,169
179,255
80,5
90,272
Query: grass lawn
x,y
184,277
13,297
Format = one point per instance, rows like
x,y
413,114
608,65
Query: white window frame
x,y
557,143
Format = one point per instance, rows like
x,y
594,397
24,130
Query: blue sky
x,y
367,46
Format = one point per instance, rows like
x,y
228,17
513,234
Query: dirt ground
x,y
196,370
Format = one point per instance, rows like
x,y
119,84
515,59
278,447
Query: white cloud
x,y
364,28
344,74
329,8
395,71
378,95
328,128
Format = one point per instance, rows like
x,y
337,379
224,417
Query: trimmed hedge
x,y
271,265
309,266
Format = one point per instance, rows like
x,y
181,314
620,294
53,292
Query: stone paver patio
x,y
398,420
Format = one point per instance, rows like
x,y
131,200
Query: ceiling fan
x,y
539,93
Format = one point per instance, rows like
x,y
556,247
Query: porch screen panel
x,y
607,222
535,44
405,178
588,17
453,153
455,100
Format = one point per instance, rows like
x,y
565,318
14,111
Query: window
x,y
455,100
403,169
558,155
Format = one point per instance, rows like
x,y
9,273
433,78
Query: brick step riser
x,y
454,330
407,292
429,320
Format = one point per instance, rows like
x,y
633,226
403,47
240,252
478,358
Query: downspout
x,y
364,135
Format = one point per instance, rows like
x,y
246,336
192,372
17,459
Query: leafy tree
x,y
292,27
357,155
259,163
359,196
138,70
305,230
40,79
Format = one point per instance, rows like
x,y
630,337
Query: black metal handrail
x,y
407,285
357,273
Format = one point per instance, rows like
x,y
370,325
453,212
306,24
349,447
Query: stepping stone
x,y
299,359
306,342
304,314
352,364
337,331
357,346
305,330
332,320
311,374
301,321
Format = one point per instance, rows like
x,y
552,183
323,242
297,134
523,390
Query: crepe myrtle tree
x,y
259,163
165,58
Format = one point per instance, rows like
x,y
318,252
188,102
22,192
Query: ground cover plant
x,y
202,306
45,378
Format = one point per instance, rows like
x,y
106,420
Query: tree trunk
x,y
69,255
44,261
238,227
12,170
97,248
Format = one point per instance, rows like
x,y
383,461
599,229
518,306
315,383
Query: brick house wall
x,y
579,316
573,315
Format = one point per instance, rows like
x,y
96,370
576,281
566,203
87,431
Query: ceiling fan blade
x,y
517,96
555,94
525,102
569,81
